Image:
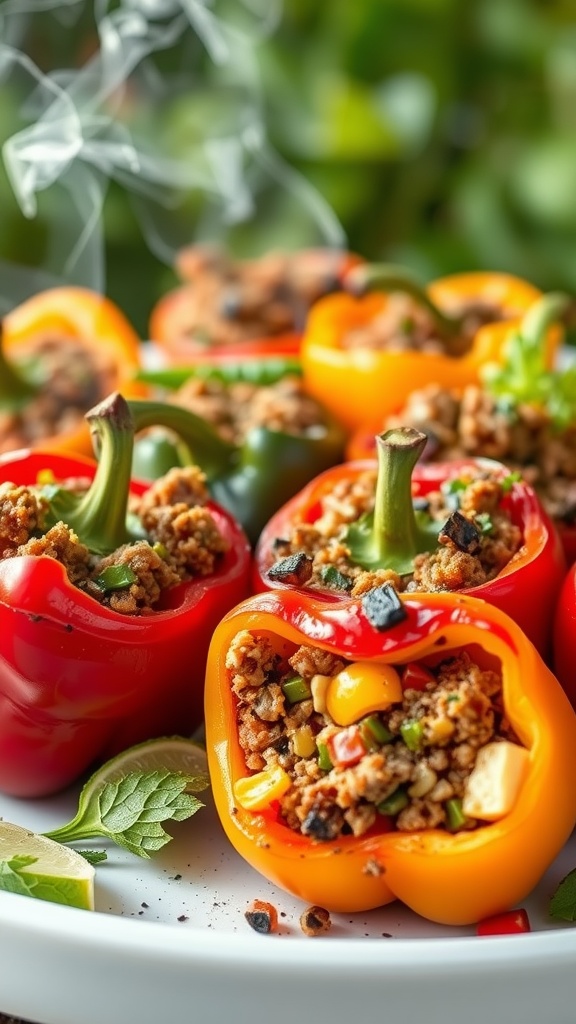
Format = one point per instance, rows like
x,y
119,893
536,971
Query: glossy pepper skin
x,y
449,878
564,660
94,322
361,386
526,589
252,479
79,681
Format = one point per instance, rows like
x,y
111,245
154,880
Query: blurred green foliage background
x,y
442,135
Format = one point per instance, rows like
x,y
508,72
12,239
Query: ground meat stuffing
x,y
525,439
232,300
409,762
403,324
182,541
235,409
476,538
73,378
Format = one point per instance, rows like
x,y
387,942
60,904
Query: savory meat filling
x,y
403,324
424,758
476,538
71,379
236,409
525,438
182,541
230,300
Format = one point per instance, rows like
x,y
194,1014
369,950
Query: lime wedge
x,y
33,865
174,753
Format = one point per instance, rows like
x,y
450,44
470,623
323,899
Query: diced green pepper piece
x,y
413,734
335,579
296,689
456,819
115,577
324,761
394,803
374,732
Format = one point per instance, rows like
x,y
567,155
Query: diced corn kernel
x,y
438,730
494,783
424,780
361,688
256,792
304,742
319,685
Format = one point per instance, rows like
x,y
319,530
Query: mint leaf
x,y
94,856
129,811
563,902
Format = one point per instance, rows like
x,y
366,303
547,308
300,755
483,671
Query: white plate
x,y
169,942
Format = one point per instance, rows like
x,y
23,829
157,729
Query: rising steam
x,y
79,129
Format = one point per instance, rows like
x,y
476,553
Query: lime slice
x,y
57,874
175,753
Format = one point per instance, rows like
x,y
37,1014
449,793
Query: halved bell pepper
x,y
392,535
251,479
361,385
94,324
455,877
174,324
80,681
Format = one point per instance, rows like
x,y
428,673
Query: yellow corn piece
x,y
256,792
304,742
361,688
495,780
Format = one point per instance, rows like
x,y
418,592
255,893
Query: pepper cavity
x,y
345,747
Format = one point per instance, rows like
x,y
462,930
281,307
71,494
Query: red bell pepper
x,y
526,588
564,657
80,681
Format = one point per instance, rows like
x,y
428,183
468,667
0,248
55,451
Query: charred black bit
x,y
296,569
462,533
322,826
279,542
383,608
315,920
262,917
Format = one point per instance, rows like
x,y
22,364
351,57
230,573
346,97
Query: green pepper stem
x,y
390,278
98,515
214,455
390,536
15,390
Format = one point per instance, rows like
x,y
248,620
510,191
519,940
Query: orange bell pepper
x,y
91,320
361,385
451,877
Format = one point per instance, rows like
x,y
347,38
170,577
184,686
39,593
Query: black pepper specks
x,y
383,608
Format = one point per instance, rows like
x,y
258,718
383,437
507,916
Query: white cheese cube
x,y
495,780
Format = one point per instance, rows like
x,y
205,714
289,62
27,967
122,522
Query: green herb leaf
x,y
130,811
94,856
563,902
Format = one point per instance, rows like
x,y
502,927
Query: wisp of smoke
x,y
78,131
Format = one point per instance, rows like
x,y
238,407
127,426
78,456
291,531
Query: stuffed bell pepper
x,y
109,592
252,427
467,525
362,354
253,306
62,351
521,412
411,747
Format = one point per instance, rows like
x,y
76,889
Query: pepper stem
x,y
15,390
390,278
207,449
391,535
99,515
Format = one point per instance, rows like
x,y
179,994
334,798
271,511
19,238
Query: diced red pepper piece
x,y
513,922
346,747
416,676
